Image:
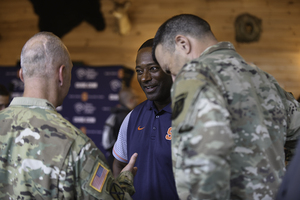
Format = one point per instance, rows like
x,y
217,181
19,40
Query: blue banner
x,y
93,92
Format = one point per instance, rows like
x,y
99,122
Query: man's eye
x,y
153,68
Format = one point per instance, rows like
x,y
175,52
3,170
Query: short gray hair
x,y
184,24
42,53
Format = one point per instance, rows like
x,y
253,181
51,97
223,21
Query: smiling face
x,y
155,83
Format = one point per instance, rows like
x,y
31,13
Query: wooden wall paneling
x,y
277,51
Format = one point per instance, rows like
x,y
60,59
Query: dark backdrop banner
x,y
93,92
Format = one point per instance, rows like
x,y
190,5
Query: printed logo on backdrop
x,y
113,97
84,96
86,73
83,120
115,85
86,85
84,108
90,131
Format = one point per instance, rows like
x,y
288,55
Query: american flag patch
x,y
99,177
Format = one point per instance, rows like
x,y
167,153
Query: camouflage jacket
x,y
43,156
230,124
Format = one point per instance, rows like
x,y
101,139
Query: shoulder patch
x,y
116,192
99,177
178,105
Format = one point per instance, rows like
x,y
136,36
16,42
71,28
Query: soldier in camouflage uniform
x,y
231,120
42,155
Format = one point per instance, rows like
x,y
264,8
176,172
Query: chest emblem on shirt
x,y
140,128
169,134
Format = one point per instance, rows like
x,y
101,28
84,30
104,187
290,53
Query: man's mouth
x,y
149,89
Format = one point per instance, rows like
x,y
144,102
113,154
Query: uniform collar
x,y
209,50
218,46
150,105
32,102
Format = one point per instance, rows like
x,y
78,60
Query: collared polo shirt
x,y
147,131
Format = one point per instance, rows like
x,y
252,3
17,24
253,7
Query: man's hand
x,y
130,166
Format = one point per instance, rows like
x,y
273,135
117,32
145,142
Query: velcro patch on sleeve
x,y
116,192
99,177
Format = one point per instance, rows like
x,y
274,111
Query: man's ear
x,y
21,75
61,71
183,43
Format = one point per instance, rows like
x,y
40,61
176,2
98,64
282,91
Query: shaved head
x,y
42,54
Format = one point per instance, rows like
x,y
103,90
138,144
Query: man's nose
x,y
146,76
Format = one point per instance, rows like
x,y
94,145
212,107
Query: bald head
x,y
46,68
42,55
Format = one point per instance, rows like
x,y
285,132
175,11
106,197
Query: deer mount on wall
x,y
120,12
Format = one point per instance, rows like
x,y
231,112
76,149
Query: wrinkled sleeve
x,y
293,129
88,174
203,140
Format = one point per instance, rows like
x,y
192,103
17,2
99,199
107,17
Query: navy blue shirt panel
x,y
149,134
289,188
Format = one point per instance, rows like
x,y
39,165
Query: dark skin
x,y
155,83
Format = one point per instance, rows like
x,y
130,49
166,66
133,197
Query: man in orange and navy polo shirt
x,y
147,131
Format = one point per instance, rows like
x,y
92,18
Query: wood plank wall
x,y
277,51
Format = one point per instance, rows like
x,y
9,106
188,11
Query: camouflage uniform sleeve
x,y
202,139
292,108
293,127
88,173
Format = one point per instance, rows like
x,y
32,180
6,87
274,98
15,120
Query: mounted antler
x,y
120,12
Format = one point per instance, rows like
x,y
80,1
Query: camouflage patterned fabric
x,y
230,123
43,156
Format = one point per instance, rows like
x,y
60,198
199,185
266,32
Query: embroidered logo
x,y
140,128
169,134
99,178
116,192
178,106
